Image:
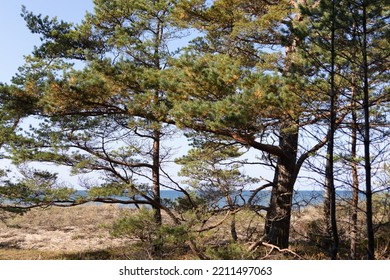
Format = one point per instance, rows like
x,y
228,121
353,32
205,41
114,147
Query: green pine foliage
x,y
105,97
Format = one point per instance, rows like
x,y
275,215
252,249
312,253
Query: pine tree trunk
x,y
277,223
330,202
355,199
156,177
327,209
330,211
157,245
367,142
355,178
233,229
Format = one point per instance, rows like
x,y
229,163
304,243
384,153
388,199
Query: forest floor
x,y
84,232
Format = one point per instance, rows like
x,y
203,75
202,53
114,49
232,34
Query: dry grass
x,y
83,232
310,240
59,232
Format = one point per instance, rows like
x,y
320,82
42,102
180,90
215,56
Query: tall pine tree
x,y
244,80
111,116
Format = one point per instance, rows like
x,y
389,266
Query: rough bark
x,y
156,177
277,224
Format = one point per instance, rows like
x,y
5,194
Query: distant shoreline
x,y
301,198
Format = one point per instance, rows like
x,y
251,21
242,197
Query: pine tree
x,y
233,85
366,50
350,74
111,116
105,93
214,173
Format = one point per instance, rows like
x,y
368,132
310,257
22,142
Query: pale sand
x,y
75,229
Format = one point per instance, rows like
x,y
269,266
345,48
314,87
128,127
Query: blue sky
x,y
17,40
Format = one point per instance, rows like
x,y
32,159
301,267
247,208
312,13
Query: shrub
x,y
138,225
161,240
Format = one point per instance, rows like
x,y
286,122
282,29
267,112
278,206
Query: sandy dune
x,y
62,229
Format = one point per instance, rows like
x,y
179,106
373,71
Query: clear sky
x,y
17,40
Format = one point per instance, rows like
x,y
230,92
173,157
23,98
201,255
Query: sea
x,y
301,198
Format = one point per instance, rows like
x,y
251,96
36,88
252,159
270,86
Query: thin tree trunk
x,y
157,132
156,177
233,229
335,235
330,192
355,178
367,158
330,209
157,246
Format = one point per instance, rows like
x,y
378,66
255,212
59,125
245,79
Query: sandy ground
x,y
68,230
83,230
68,239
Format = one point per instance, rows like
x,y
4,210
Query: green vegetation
x,y
297,87
106,232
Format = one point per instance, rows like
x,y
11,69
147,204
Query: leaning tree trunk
x,y
277,224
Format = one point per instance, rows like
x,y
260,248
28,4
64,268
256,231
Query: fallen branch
x,y
273,247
